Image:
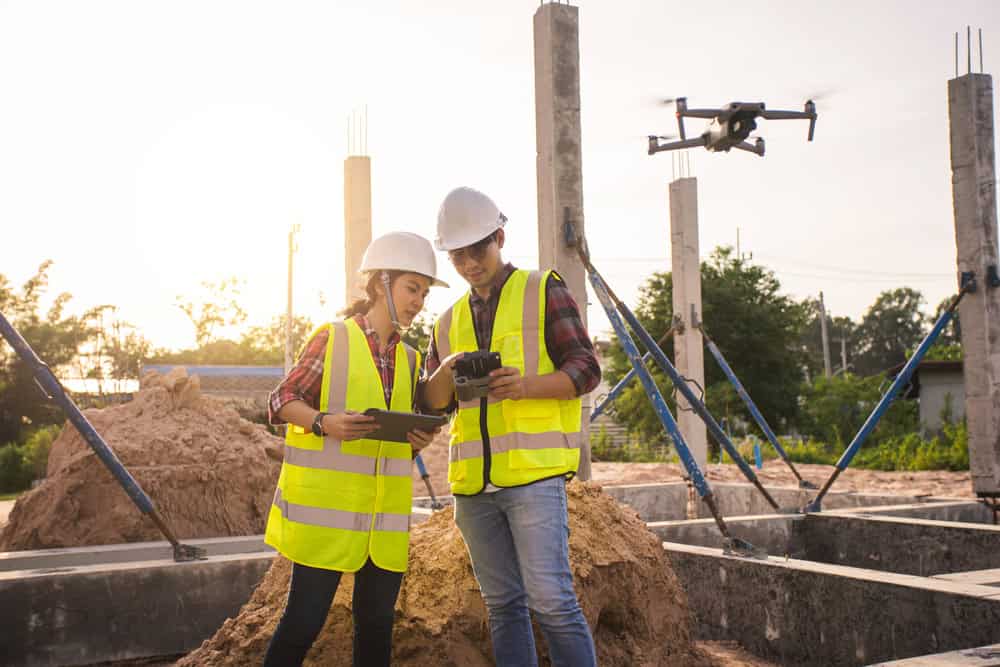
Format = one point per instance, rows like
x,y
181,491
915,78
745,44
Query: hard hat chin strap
x,y
386,283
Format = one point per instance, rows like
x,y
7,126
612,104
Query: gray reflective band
x,y
442,338
331,457
337,382
342,519
504,443
411,358
529,323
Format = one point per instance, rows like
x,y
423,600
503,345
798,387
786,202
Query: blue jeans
x,y
518,540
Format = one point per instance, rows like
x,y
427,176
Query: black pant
x,y
309,597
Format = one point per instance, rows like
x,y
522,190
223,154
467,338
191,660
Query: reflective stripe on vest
x,y
529,439
359,521
339,503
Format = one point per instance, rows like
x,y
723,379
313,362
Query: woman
x,y
343,500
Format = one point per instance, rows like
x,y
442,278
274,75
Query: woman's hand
x,y
420,439
348,425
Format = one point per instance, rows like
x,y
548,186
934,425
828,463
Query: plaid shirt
x,y
566,338
305,381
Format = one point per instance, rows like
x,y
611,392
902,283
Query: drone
x,y
730,126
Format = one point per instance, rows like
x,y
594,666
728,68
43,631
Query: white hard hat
x,y
466,216
402,251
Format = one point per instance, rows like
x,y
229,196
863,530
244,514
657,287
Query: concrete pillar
x,y
357,221
559,164
970,110
689,356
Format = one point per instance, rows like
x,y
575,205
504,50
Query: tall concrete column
x,y
970,110
686,272
357,221
559,162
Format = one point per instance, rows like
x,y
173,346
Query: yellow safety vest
x,y
514,442
340,502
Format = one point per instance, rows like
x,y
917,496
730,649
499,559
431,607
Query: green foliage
x,y
892,325
55,337
218,306
833,409
15,474
636,450
20,463
418,336
756,328
37,448
944,352
948,451
259,346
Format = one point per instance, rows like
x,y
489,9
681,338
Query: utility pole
x,y
826,337
289,352
843,355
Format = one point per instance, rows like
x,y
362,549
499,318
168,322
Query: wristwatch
x,y
317,425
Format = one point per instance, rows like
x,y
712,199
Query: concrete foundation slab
x,y
921,547
121,611
983,656
980,577
803,613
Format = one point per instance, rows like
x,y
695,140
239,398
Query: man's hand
x,y
420,439
507,383
348,425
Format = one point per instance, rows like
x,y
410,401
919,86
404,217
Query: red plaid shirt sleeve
x,y
304,382
566,339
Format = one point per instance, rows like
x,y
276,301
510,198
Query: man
x,y
512,451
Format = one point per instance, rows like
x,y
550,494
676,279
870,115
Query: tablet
x,y
394,426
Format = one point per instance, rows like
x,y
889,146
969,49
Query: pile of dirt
x,y
206,469
623,577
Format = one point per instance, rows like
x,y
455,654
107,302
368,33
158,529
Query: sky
x,y
146,147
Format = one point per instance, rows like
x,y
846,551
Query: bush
x,y
20,464
832,410
15,475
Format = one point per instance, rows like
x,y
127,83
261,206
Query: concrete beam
x,y
771,532
357,221
122,611
559,159
803,613
920,547
973,166
980,577
688,345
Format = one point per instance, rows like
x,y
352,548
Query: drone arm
x,y
785,115
756,147
698,113
697,142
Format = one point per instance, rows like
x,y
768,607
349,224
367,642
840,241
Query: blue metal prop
x,y
901,381
435,503
752,407
733,545
682,386
47,380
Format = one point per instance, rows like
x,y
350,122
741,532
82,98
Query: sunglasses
x,y
476,251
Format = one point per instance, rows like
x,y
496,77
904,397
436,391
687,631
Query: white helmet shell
x,y
466,216
402,251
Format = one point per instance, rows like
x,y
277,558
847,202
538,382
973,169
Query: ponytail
x,y
361,305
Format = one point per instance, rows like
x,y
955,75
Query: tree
x,y
756,328
217,307
56,339
893,325
418,336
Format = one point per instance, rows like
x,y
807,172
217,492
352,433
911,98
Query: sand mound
x,y
204,467
627,588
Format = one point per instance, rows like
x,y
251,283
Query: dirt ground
x,y
774,473
623,577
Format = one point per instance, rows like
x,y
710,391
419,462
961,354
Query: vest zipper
x,y
485,433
